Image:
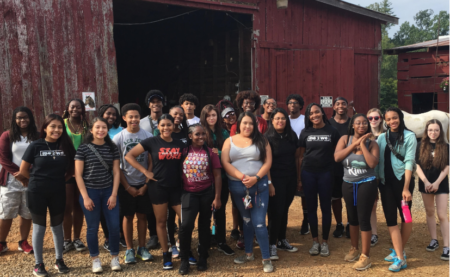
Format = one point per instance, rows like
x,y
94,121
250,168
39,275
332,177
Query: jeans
x,y
254,218
100,198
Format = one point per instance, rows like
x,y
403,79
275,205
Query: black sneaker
x,y
184,267
39,270
61,266
284,245
347,231
225,249
202,264
305,228
434,244
374,240
235,234
79,245
167,261
106,245
122,242
444,255
339,231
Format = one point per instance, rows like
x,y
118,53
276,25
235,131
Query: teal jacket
x,y
407,150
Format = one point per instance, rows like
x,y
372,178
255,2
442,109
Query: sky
x,y
405,10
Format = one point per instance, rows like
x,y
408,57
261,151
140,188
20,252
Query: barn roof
x,y
443,41
360,10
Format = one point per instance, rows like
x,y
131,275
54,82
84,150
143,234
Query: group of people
x,y
170,165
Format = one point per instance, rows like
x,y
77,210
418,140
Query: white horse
x,y
417,122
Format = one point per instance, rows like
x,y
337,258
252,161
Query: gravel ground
x,y
420,262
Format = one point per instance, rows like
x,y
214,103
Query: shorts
x,y
162,195
130,205
38,202
391,199
336,192
443,187
13,203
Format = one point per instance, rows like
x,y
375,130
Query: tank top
x,y
246,159
75,138
355,167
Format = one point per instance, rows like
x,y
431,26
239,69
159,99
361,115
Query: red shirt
x,y
262,126
197,174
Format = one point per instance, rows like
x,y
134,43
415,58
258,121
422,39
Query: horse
x,y
417,122
89,101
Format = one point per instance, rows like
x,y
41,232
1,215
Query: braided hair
x,y
308,122
104,108
401,127
84,122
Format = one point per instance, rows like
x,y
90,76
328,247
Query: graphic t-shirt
x,y
342,128
193,121
197,174
320,145
298,124
125,141
95,175
283,157
166,160
432,173
49,166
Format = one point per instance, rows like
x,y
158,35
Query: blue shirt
x,y
114,131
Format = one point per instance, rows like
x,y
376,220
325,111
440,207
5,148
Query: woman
x,y
13,144
317,144
432,169
249,101
164,186
201,194
76,127
375,118
396,181
269,105
247,158
52,159
97,173
228,114
215,136
359,156
283,179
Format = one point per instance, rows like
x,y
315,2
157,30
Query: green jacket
x,y
225,135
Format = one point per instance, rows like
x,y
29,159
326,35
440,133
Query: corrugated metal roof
x,y
443,41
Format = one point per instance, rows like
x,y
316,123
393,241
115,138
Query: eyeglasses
x,y
249,103
228,115
361,123
270,104
292,103
376,118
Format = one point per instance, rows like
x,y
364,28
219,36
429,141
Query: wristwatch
x,y
257,178
270,182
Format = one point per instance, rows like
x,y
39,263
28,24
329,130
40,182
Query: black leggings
x,y
359,213
220,214
391,199
38,202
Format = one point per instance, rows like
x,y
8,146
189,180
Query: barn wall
x,y
52,51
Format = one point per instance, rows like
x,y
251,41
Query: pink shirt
x,y
197,175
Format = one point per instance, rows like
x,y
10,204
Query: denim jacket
x,y
407,150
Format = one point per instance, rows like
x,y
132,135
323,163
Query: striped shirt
x,y
95,175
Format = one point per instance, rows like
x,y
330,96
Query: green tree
x,y
388,93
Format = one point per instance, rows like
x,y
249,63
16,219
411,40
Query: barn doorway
x,y
423,102
182,50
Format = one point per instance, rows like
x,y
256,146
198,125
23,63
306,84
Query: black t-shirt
x,y
342,129
432,173
49,166
283,156
95,175
388,170
166,159
320,145
181,136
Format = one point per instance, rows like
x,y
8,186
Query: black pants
x,y
220,214
359,208
391,198
279,204
170,225
191,205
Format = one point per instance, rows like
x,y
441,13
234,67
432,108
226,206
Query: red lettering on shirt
x,y
169,154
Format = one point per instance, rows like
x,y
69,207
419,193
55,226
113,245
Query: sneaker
x,y
175,252
39,270
202,264
434,244
305,228
352,255
97,266
3,247
391,257
445,253
130,257
184,267
61,266
106,245
152,242
167,261
79,245
235,234
123,243
143,254
315,249
192,260
273,252
324,251
25,247
339,231
240,243
374,240
267,266
398,265
115,264
225,249
347,231
68,245
284,245
363,263
244,258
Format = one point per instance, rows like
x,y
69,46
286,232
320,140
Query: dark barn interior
x,y
204,52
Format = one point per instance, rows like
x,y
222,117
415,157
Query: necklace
x,y
196,153
73,128
53,152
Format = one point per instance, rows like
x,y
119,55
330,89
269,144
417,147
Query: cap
x,y
226,110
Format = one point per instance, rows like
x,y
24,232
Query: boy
x,y
133,190
189,102
154,100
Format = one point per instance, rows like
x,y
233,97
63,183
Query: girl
x,y
359,156
227,113
269,105
215,136
432,169
397,151
249,101
98,175
52,159
201,194
283,178
13,144
317,144
110,113
164,186
76,127
247,158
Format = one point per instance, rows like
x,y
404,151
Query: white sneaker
x,y
115,265
97,266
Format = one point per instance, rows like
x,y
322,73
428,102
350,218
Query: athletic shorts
x,y
162,195
13,203
55,201
337,187
130,205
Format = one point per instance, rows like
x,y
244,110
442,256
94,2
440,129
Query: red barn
x,y
52,51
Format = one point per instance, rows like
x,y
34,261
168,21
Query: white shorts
x,y
13,203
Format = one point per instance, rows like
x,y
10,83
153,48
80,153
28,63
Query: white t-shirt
x,y
298,124
193,121
18,149
147,126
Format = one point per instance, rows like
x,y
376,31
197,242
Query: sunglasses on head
x,y
370,118
229,114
